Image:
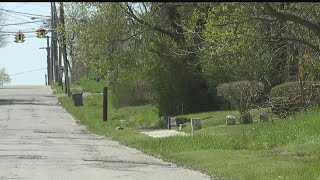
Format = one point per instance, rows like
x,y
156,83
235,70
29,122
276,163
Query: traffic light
x,y
19,37
16,38
41,33
38,33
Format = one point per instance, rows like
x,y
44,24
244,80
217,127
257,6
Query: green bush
x,y
132,93
288,98
242,95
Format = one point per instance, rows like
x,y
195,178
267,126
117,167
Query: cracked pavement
x,y
40,140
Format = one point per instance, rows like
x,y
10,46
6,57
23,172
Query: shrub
x,y
132,93
241,95
293,97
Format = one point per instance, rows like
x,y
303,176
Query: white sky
x,y
22,57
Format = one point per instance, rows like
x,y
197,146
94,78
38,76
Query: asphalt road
x,y
39,140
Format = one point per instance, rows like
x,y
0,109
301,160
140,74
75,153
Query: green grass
x,y
90,85
282,149
57,89
80,85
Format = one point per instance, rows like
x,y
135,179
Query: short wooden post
x,y
105,103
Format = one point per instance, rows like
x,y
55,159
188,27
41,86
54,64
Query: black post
x,y
105,104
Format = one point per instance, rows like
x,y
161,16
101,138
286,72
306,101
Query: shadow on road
x,y
23,102
20,87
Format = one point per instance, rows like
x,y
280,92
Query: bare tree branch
x,y
289,17
300,41
155,28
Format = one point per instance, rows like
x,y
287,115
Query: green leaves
x,y
4,77
232,43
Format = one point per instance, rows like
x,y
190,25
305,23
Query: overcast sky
x,y
19,58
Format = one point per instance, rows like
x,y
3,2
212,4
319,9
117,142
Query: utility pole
x,y
59,63
48,62
59,53
52,46
54,51
64,49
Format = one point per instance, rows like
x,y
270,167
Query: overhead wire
x,y
14,24
13,32
42,4
7,14
42,19
27,14
20,19
27,71
15,16
18,6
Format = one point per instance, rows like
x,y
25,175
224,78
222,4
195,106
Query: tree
x,y
302,18
174,38
233,49
4,77
184,50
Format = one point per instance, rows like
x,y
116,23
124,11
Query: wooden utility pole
x,y
54,51
59,53
60,64
48,62
64,50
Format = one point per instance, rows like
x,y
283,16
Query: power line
x,y
44,5
37,23
16,17
27,71
13,32
23,16
16,12
18,6
19,23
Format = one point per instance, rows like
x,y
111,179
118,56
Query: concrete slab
x,y
164,133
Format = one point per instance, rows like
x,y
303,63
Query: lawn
x,y
282,149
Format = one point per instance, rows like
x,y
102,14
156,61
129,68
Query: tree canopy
x,y
185,50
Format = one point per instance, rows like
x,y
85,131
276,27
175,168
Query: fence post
x,y
105,103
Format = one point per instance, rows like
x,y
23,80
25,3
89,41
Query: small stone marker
x,y
264,117
173,121
230,120
195,124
